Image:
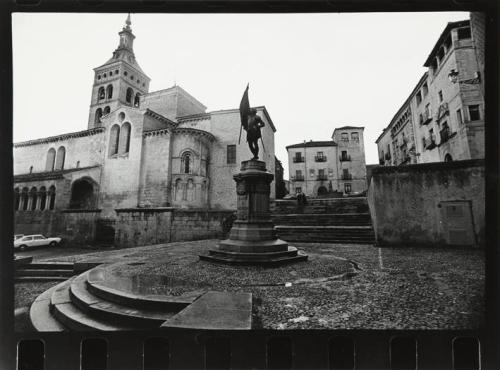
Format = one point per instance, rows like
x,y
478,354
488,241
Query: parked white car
x,y
39,240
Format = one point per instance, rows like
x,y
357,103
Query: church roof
x,y
49,175
70,135
349,128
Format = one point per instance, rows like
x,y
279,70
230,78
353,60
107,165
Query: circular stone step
x,y
109,287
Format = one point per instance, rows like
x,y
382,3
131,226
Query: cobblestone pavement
x,y
339,287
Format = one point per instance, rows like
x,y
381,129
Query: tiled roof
x,y
309,144
48,175
349,127
92,131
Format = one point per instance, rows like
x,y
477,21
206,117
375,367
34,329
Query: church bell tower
x,y
119,81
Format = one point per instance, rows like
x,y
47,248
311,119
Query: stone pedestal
x,y
253,240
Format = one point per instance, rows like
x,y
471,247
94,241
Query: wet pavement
x,y
340,286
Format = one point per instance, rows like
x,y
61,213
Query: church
x,y
151,167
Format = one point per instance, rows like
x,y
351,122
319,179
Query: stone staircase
x,y
328,220
87,303
44,271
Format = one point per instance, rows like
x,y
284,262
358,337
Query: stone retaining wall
x,y
429,204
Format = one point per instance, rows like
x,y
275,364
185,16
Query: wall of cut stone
x,y
72,227
136,227
408,203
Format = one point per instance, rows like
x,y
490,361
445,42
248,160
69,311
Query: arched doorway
x,y
448,158
322,191
82,195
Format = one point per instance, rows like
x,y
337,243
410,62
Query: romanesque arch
x,y
60,158
51,157
114,137
83,194
129,95
98,115
124,144
109,91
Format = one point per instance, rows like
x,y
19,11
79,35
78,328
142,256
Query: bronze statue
x,y
253,132
252,124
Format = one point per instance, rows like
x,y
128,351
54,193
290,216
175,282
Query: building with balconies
x,y
445,111
326,168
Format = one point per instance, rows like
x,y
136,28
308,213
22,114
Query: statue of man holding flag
x,y
252,124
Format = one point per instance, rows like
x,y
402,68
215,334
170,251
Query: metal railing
x,y
298,178
345,158
320,158
298,159
321,177
346,176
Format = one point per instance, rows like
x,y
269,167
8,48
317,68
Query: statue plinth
x,y
252,239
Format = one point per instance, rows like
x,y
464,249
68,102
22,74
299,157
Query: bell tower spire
x,y
119,81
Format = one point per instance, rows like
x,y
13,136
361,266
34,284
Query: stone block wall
x,y
145,226
407,203
74,227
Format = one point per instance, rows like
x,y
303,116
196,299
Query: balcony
x,y
298,159
321,178
347,176
446,135
298,178
427,118
320,158
429,143
345,158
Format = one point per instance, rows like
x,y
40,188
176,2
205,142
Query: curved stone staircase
x,y
329,220
84,303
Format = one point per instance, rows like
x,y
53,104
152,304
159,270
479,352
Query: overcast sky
x,y
313,72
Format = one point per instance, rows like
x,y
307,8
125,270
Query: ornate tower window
x,y
129,95
98,115
101,94
186,163
109,91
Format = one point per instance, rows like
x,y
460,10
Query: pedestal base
x,y
253,240
264,259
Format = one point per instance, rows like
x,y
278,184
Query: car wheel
x,y
22,247
53,244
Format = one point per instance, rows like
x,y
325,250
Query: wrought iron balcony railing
x,y
320,158
321,177
298,178
345,158
298,159
346,176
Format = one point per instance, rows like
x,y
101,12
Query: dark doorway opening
x,y
82,195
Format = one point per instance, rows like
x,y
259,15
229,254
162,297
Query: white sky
x,y
313,72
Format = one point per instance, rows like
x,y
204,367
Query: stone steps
x,y
265,259
71,305
44,271
336,220
95,286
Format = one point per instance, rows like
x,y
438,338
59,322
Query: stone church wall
x,y
81,151
155,172
420,204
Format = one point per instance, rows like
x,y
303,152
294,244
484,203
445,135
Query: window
x,y
345,174
125,73
474,113
186,163
440,96
330,172
129,95
464,33
344,136
137,99
114,137
419,97
107,110
98,115
231,154
116,71
33,199
52,197
355,136
109,91
101,95
98,77
347,188
124,144
298,190
298,174
425,89
61,156
311,173
320,154
459,116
